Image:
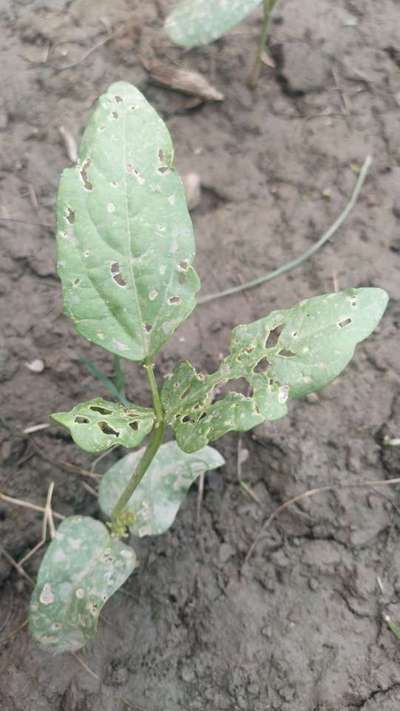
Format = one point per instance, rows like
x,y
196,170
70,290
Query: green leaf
x,y
159,495
125,238
82,568
287,354
196,22
99,424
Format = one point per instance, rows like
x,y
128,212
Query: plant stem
x,y
154,391
150,452
155,441
254,76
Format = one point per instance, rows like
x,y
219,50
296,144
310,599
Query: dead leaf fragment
x,y
184,80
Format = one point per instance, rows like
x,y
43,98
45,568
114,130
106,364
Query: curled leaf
x,y
82,568
99,424
125,238
156,501
287,354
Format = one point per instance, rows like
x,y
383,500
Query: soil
x,y
301,626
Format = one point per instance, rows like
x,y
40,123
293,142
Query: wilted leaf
x,y
285,355
159,495
99,424
125,238
196,22
81,569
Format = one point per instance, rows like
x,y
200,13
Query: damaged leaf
x,y
184,80
125,238
99,424
156,500
287,354
196,22
82,568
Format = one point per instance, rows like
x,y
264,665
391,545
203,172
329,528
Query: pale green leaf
x,y
82,568
196,22
99,424
285,355
125,238
155,502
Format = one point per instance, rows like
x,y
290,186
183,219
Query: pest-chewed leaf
x,y
99,424
287,354
196,22
81,569
125,238
155,502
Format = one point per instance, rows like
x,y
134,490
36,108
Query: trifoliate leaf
x,y
285,355
125,238
99,424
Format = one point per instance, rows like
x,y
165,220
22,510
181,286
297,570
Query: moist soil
x,y
301,626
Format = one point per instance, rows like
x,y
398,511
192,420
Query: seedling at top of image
x,y
125,259
194,23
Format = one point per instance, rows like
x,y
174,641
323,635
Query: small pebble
x,y
192,185
35,366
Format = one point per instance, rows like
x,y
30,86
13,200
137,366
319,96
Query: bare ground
x,y
302,628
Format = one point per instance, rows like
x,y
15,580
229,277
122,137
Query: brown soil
x,y
302,629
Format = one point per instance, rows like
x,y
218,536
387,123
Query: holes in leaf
x,y
118,99
147,327
184,265
345,322
116,274
76,282
70,216
80,420
101,410
354,301
262,366
273,336
163,169
107,429
174,300
115,115
286,354
134,425
84,174
238,386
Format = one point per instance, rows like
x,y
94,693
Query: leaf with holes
x,y
157,499
125,238
99,424
82,568
196,22
287,354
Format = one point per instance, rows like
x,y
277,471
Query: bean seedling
x,y
194,23
125,259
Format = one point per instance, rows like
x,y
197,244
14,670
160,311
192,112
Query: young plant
x,y
197,22
125,259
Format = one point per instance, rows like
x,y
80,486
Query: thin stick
x,y
65,465
27,505
308,494
294,263
26,222
48,517
18,567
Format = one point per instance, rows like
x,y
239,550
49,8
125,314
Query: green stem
x,y
268,7
155,441
150,452
158,409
